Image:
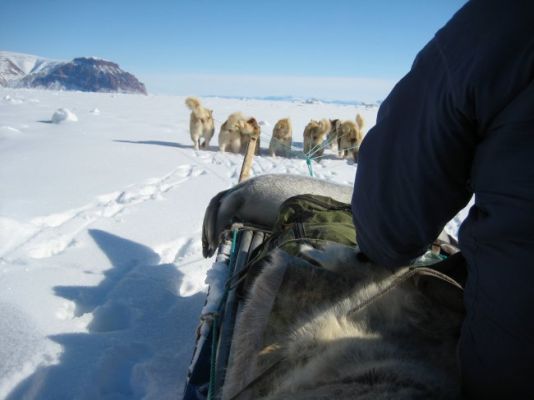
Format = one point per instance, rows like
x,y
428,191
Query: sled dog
x,y
348,139
236,131
314,134
341,328
281,141
360,122
332,136
250,127
200,124
257,200
350,136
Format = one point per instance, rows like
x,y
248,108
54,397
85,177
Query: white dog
x,y
200,124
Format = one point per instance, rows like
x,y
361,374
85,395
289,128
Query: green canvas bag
x,y
308,219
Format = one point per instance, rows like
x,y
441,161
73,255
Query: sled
x,y
214,334
241,251
215,331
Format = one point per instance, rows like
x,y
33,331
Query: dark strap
x,y
402,276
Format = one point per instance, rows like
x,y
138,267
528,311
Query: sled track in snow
x,y
57,232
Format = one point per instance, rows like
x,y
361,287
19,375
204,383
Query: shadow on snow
x,y
167,144
140,337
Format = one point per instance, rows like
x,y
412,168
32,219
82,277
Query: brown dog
x,y
200,124
282,136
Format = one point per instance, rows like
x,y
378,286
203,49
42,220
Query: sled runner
x,y
303,285
214,334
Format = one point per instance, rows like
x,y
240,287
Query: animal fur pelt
x,y
257,200
201,123
314,135
281,140
329,336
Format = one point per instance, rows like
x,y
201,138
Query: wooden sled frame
x,y
212,350
215,332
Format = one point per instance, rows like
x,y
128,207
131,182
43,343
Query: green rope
x,y
214,324
314,149
322,146
309,164
234,241
343,149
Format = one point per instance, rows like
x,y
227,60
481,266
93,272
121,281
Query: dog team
x,y
343,136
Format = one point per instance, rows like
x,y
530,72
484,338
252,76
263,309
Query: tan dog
x,y
281,140
332,136
350,136
250,128
314,135
230,134
347,138
200,124
236,132
360,122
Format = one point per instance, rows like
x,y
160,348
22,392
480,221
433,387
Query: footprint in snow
x,y
191,247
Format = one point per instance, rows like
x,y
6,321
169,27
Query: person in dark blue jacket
x,y
461,122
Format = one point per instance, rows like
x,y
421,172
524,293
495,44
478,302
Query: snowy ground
x,y
101,273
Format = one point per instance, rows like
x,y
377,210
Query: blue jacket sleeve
x,y
414,164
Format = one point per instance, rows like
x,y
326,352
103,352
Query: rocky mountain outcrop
x,y
85,74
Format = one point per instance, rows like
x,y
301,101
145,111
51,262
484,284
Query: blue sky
x,y
346,49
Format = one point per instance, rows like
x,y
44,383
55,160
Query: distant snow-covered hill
x,y
302,100
85,74
15,66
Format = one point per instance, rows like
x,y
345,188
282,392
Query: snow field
x,y
102,278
